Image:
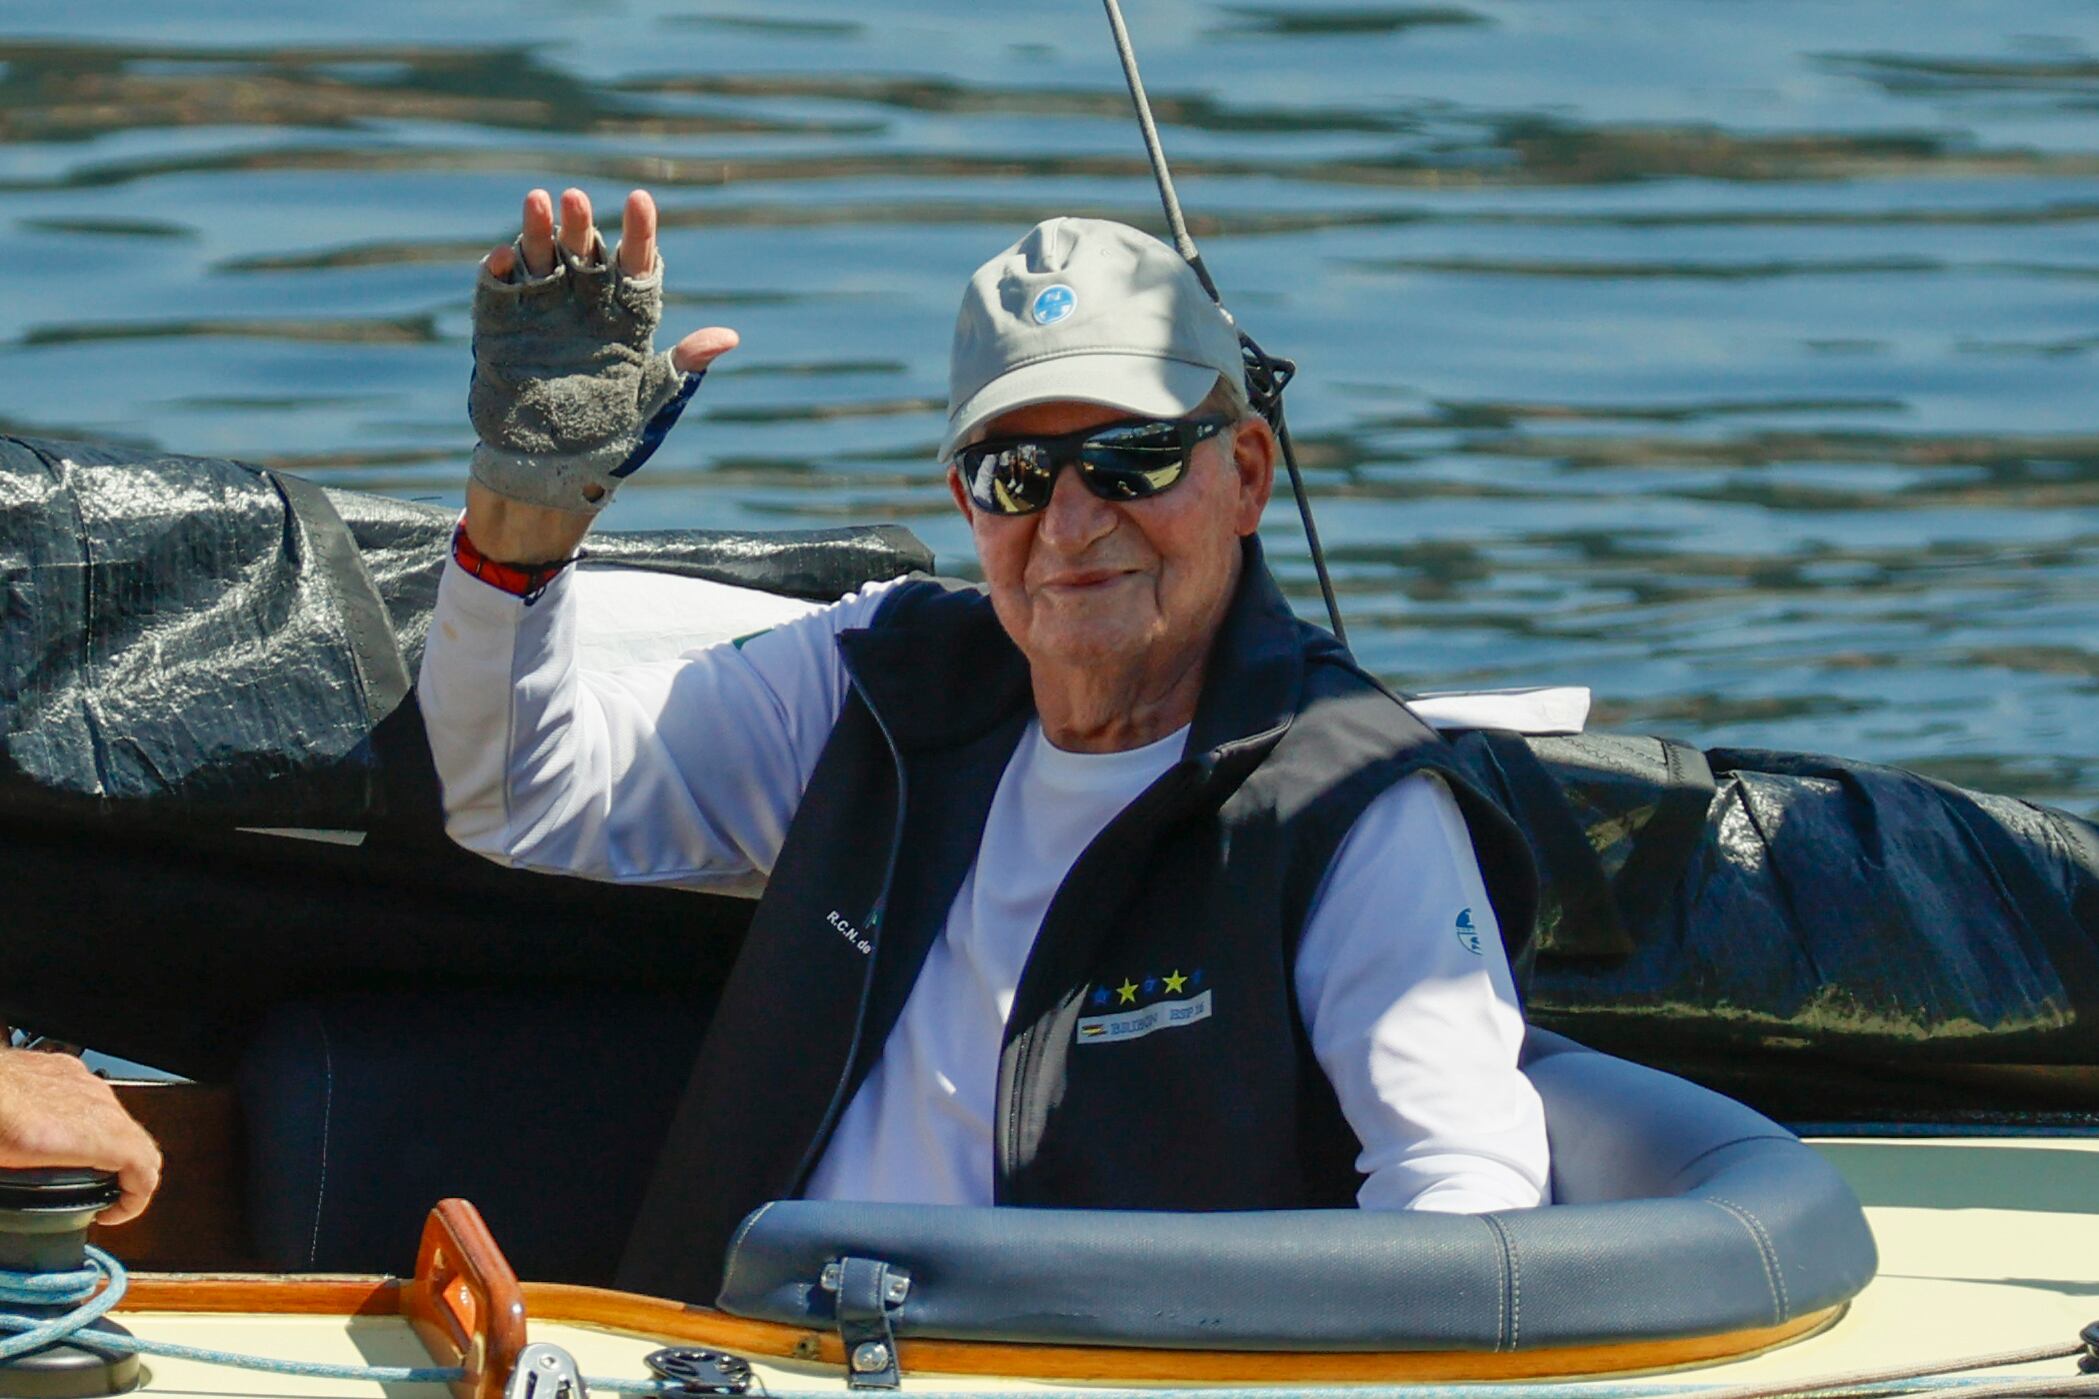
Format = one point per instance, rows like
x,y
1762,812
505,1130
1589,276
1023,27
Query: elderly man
x,y
1111,884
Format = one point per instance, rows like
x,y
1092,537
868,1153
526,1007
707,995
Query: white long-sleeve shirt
x,y
687,771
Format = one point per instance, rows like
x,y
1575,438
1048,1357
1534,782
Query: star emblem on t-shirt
x,y
1128,992
1175,981
1100,996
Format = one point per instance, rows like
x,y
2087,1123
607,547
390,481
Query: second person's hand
x,y
55,1112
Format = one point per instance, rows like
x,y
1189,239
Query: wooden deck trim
x,y
652,1317
222,1293
676,1321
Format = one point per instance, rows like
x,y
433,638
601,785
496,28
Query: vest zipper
x,y
873,929
1168,789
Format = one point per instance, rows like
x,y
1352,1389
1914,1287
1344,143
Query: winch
x,y
44,1219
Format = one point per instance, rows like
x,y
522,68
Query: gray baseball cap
x,y
1089,310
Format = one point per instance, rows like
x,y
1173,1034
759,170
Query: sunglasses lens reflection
x,y
1119,462
1012,479
1134,462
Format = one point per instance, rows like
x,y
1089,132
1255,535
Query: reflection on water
x,y
1735,360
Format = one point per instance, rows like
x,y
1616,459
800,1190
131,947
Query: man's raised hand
x,y
637,254
569,396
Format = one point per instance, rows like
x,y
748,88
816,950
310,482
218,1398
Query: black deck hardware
x,y
700,1371
868,1293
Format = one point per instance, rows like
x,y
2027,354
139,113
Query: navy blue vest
x,y
1155,1057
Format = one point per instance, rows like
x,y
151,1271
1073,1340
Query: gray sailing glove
x,y
568,390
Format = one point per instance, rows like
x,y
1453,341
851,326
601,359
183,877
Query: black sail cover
x,y
188,635
196,653
1835,942
193,648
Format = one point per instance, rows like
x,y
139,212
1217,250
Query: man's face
x,y
1095,583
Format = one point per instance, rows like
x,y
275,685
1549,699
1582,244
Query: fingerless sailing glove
x,y
568,389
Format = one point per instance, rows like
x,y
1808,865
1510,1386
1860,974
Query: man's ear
x,y
1254,452
962,501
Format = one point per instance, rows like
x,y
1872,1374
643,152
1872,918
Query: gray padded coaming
x,y
1623,1132
1679,1213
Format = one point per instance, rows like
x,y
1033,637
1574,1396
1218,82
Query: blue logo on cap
x,y
1053,304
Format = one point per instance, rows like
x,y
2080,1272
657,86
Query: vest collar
x,y
940,676
1255,677
948,679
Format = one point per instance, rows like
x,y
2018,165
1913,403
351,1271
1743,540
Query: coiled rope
x,y
84,1292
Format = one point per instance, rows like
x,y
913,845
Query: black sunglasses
x,y
1130,460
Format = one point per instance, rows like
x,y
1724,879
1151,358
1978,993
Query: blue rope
x,y
78,1286
58,1289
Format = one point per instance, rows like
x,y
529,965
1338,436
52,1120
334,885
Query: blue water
x,y
1734,359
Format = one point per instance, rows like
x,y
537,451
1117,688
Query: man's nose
x,y
1075,517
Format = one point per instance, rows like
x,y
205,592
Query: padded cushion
x,y
1679,1213
363,1111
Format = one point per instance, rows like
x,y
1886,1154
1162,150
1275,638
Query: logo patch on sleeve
x,y
1118,1026
1468,935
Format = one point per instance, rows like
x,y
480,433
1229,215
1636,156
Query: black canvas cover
x,y
195,652
1833,941
190,636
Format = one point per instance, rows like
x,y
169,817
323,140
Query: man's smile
x,y
1086,580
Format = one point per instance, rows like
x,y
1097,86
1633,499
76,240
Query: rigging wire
x,y
1266,374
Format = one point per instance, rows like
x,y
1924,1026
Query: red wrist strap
x,y
526,581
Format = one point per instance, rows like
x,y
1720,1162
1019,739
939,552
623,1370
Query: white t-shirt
x,y
919,1129
688,771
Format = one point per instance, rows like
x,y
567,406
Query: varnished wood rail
x,y
471,1311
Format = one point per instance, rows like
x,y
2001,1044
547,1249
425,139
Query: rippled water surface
x,y
1734,359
